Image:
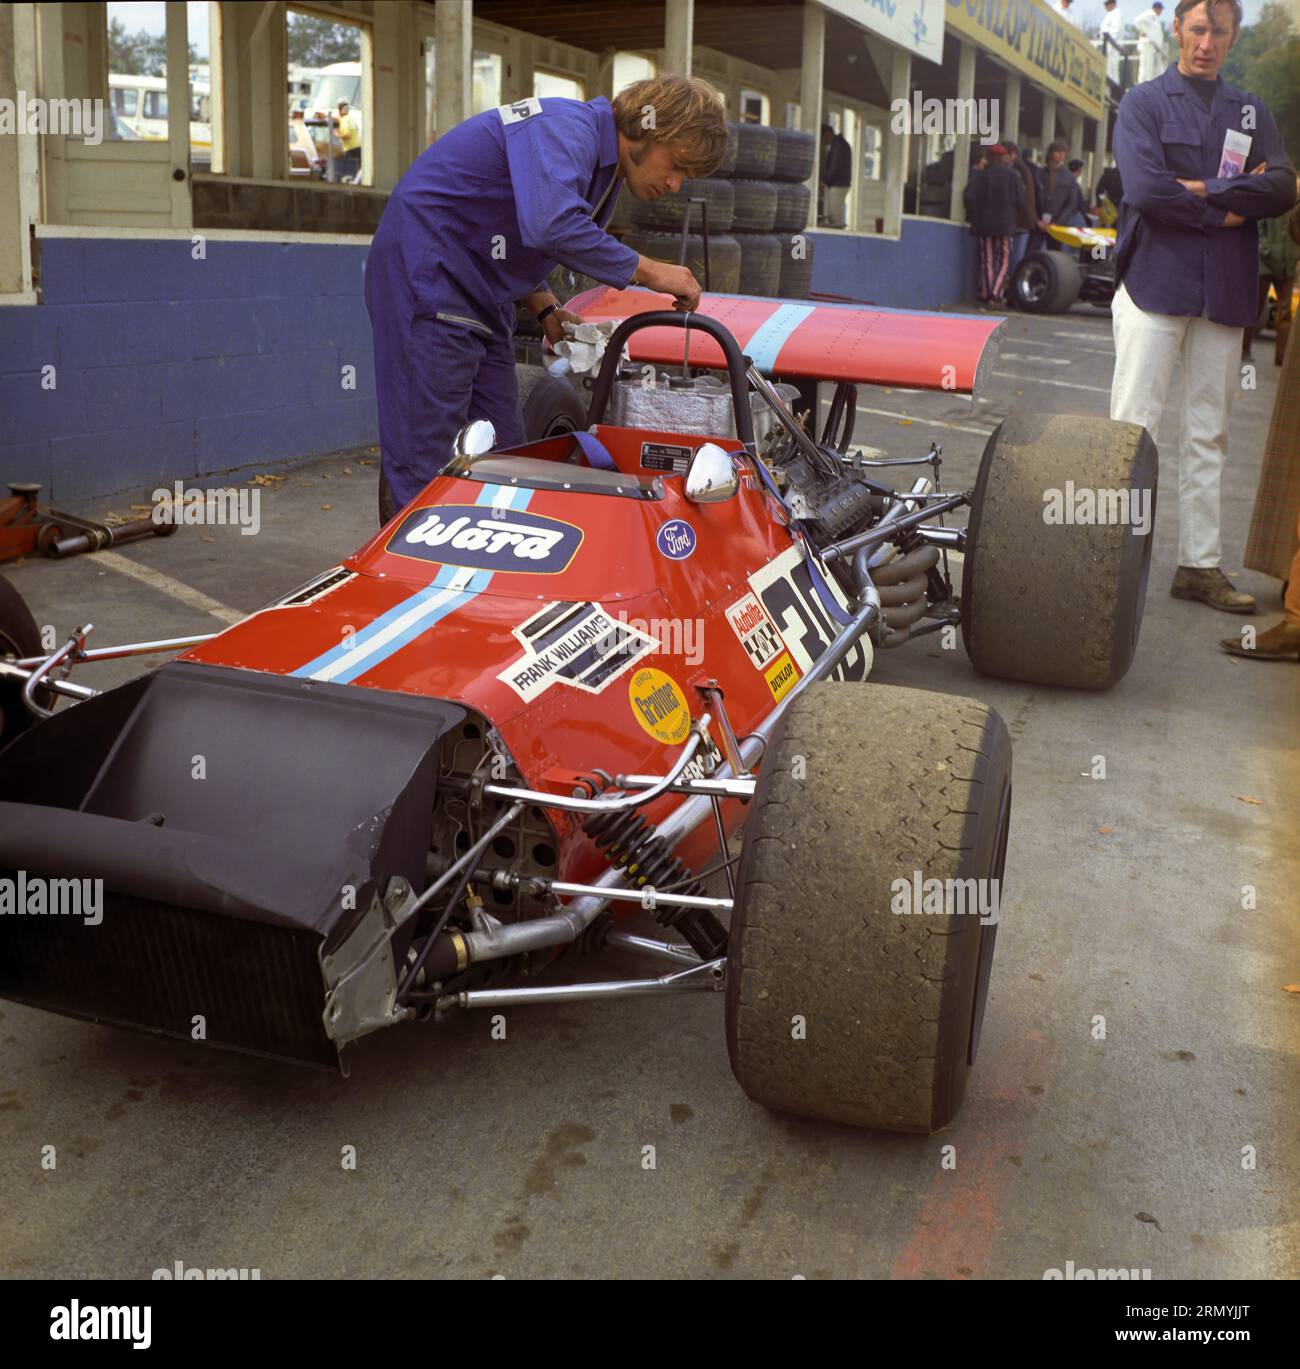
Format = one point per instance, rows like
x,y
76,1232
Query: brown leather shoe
x,y
1280,643
1211,586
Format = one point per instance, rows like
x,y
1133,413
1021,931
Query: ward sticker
x,y
658,706
757,632
574,644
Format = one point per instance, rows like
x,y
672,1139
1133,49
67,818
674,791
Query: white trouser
x,y
836,198
1112,65
1147,348
1148,61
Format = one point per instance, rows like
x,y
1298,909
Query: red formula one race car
x,y
563,687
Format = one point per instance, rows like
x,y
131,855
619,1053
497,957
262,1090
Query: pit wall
x,y
145,364
931,265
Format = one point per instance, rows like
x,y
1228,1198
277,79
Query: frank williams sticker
x,y
757,632
487,539
575,644
676,539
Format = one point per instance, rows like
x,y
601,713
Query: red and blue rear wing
x,y
913,349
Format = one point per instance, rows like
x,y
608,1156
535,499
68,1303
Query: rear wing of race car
x,y
908,348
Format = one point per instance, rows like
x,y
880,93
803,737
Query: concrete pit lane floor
x,y
1169,1145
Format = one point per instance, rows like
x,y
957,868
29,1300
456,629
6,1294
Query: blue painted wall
x,y
169,368
931,265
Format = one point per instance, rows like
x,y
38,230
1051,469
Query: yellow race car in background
x,y
1083,268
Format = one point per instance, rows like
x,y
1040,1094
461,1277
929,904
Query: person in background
x,y
1186,263
1110,192
1027,213
1067,13
993,198
347,166
837,174
1278,258
1112,27
1151,42
1080,216
1060,199
1273,547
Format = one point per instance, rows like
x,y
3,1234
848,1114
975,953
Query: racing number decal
x,y
786,590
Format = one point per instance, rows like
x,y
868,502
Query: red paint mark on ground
x,y
961,1217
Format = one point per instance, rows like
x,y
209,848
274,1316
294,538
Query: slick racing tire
x,y
755,151
727,167
669,209
848,998
794,155
793,205
549,404
1059,602
1045,283
724,255
796,265
760,264
19,636
755,206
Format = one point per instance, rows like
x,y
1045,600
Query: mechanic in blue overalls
x,y
477,224
1200,162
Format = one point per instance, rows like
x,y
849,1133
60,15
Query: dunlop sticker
x,y
658,705
781,676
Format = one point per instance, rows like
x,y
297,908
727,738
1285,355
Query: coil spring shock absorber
x,y
631,844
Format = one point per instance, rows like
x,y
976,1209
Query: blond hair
x,y
683,111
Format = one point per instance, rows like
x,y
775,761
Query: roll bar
x,y
737,364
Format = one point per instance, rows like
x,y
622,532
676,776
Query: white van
x,y
139,105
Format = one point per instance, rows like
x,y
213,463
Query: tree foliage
x,y
135,54
317,42
1265,61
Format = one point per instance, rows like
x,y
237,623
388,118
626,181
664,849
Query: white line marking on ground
x,y
927,422
1041,361
1096,337
1064,384
1056,346
164,584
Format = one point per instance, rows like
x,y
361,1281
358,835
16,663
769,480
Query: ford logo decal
x,y
676,540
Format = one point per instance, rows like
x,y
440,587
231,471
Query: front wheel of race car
x,y
1058,550
851,996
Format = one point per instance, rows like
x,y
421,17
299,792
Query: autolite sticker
x,y
657,704
487,539
574,644
757,632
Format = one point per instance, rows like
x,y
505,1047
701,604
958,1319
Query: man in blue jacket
x,y
1200,162
477,224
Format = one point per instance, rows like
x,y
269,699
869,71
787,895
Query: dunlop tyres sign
x,y
1027,36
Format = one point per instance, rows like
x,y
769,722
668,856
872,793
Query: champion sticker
x,y
676,539
657,704
757,632
487,539
520,110
579,645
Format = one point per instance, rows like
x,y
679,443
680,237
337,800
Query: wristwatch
x,y
550,309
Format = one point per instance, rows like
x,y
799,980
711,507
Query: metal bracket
x,y
360,976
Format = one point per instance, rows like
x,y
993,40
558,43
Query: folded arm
x,y
1266,194
1149,185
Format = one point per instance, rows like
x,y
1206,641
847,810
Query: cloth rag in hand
x,y
583,345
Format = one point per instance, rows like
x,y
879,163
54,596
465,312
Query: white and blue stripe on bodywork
x,y
453,587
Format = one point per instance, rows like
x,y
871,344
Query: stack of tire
x,y
757,208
